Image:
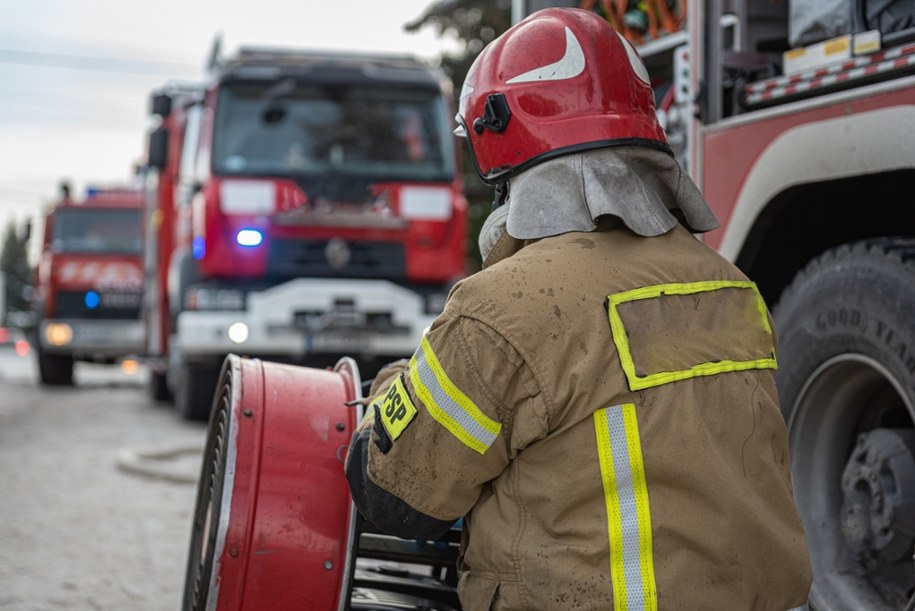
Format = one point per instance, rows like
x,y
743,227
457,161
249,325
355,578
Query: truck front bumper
x,y
311,317
105,338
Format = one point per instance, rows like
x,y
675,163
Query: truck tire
x,y
846,379
158,387
194,390
55,369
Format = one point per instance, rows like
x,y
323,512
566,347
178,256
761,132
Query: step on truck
x,y
302,206
797,120
89,283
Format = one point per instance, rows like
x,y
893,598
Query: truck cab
x,y
89,283
314,207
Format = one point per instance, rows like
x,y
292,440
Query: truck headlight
x,y
238,332
58,333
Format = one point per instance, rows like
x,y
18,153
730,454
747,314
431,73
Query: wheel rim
x,y
852,440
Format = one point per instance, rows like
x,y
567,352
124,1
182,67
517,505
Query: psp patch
x,y
396,409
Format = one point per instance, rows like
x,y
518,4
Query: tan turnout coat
x,y
602,409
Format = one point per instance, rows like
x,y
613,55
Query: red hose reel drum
x,y
274,524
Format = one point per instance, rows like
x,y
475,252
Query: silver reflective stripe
x,y
628,513
804,607
449,405
628,518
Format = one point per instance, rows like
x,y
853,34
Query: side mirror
x,y
161,104
157,156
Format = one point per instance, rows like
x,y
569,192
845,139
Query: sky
x,y
76,75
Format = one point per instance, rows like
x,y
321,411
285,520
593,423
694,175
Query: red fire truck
x,y
302,206
89,283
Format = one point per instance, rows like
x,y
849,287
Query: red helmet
x,y
559,82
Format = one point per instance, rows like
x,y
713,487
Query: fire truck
x,y
302,206
89,283
797,121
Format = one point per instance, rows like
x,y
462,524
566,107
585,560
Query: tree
x,y
14,266
473,24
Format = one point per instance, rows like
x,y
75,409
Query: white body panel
x,y
863,143
271,319
110,338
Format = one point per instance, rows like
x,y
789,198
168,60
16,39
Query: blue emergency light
x,y
249,237
92,300
198,247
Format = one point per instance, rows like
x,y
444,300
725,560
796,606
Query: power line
x,y
87,62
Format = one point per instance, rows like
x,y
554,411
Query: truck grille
x,y
336,259
117,305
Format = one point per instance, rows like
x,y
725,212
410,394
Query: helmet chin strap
x,y
500,195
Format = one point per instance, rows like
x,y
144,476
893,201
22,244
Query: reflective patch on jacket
x,y
396,410
448,404
628,516
670,332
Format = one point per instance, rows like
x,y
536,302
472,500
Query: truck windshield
x,y
367,132
96,230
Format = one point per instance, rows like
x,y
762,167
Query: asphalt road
x,y
97,490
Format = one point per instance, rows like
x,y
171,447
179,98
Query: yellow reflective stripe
x,y
447,404
628,513
621,340
640,487
608,475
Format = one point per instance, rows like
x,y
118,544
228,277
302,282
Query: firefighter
x,y
598,403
